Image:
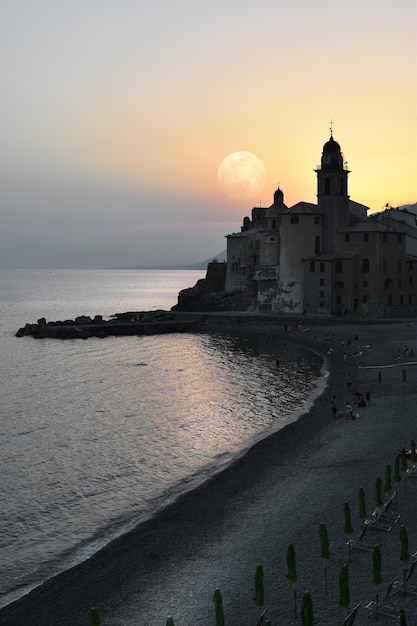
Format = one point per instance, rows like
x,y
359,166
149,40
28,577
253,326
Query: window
x,y
365,265
399,265
410,281
274,224
384,265
322,305
364,299
399,282
366,236
342,187
339,267
327,185
347,237
340,284
389,299
317,245
401,299
338,299
321,267
294,219
321,294
321,282
410,266
410,299
312,268
364,283
317,220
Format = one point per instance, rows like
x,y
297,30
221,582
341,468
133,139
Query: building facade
x,y
329,258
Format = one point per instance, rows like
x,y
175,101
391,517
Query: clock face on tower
x,y
327,159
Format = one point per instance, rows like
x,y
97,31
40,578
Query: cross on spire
x,y
331,127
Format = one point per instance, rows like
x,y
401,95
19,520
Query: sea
x,y
99,435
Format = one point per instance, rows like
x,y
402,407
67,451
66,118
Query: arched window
x,y
317,245
327,185
294,219
342,187
274,224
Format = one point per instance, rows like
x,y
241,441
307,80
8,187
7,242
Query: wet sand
x,y
277,494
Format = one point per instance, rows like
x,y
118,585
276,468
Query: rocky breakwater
x,y
130,323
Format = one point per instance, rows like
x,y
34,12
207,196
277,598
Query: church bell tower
x,y
332,193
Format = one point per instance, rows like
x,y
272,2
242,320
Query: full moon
x,y
242,175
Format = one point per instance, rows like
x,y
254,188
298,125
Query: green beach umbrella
x,y
388,475
376,565
94,618
404,556
259,586
378,486
325,551
344,587
348,524
218,601
307,610
292,572
170,622
362,505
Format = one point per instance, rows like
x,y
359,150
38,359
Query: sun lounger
x,y
405,586
360,544
379,519
386,607
386,514
350,619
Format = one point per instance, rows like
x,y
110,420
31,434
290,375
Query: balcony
x,y
265,272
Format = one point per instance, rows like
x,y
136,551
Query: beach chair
x,y
405,586
386,607
350,619
377,521
360,544
386,514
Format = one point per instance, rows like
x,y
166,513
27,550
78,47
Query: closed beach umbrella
x,y
348,524
344,587
378,486
362,505
259,586
307,610
94,618
170,622
218,601
325,551
292,572
404,556
388,475
376,565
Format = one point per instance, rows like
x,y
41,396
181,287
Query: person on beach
x,y
348,410
368,398
333,405
348,382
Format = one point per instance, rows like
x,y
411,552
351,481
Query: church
x,y
326,259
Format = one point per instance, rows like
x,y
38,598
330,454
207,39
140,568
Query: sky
x,y
117,115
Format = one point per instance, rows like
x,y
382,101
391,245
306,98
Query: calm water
x,y
100,434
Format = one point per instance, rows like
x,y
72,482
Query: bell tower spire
x,y
332,192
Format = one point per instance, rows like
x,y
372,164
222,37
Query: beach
x,y
278,493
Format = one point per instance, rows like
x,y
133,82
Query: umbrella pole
x,y
295,605
376,606
325,576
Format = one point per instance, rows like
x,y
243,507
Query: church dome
x,y
331,146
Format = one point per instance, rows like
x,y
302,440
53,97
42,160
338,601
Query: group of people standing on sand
x,y
359,400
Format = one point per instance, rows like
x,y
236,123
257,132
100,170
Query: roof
x,y
304,207
332,256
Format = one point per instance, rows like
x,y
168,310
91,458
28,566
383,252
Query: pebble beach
x,y
277,494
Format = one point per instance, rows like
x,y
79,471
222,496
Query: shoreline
x,y
215,536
